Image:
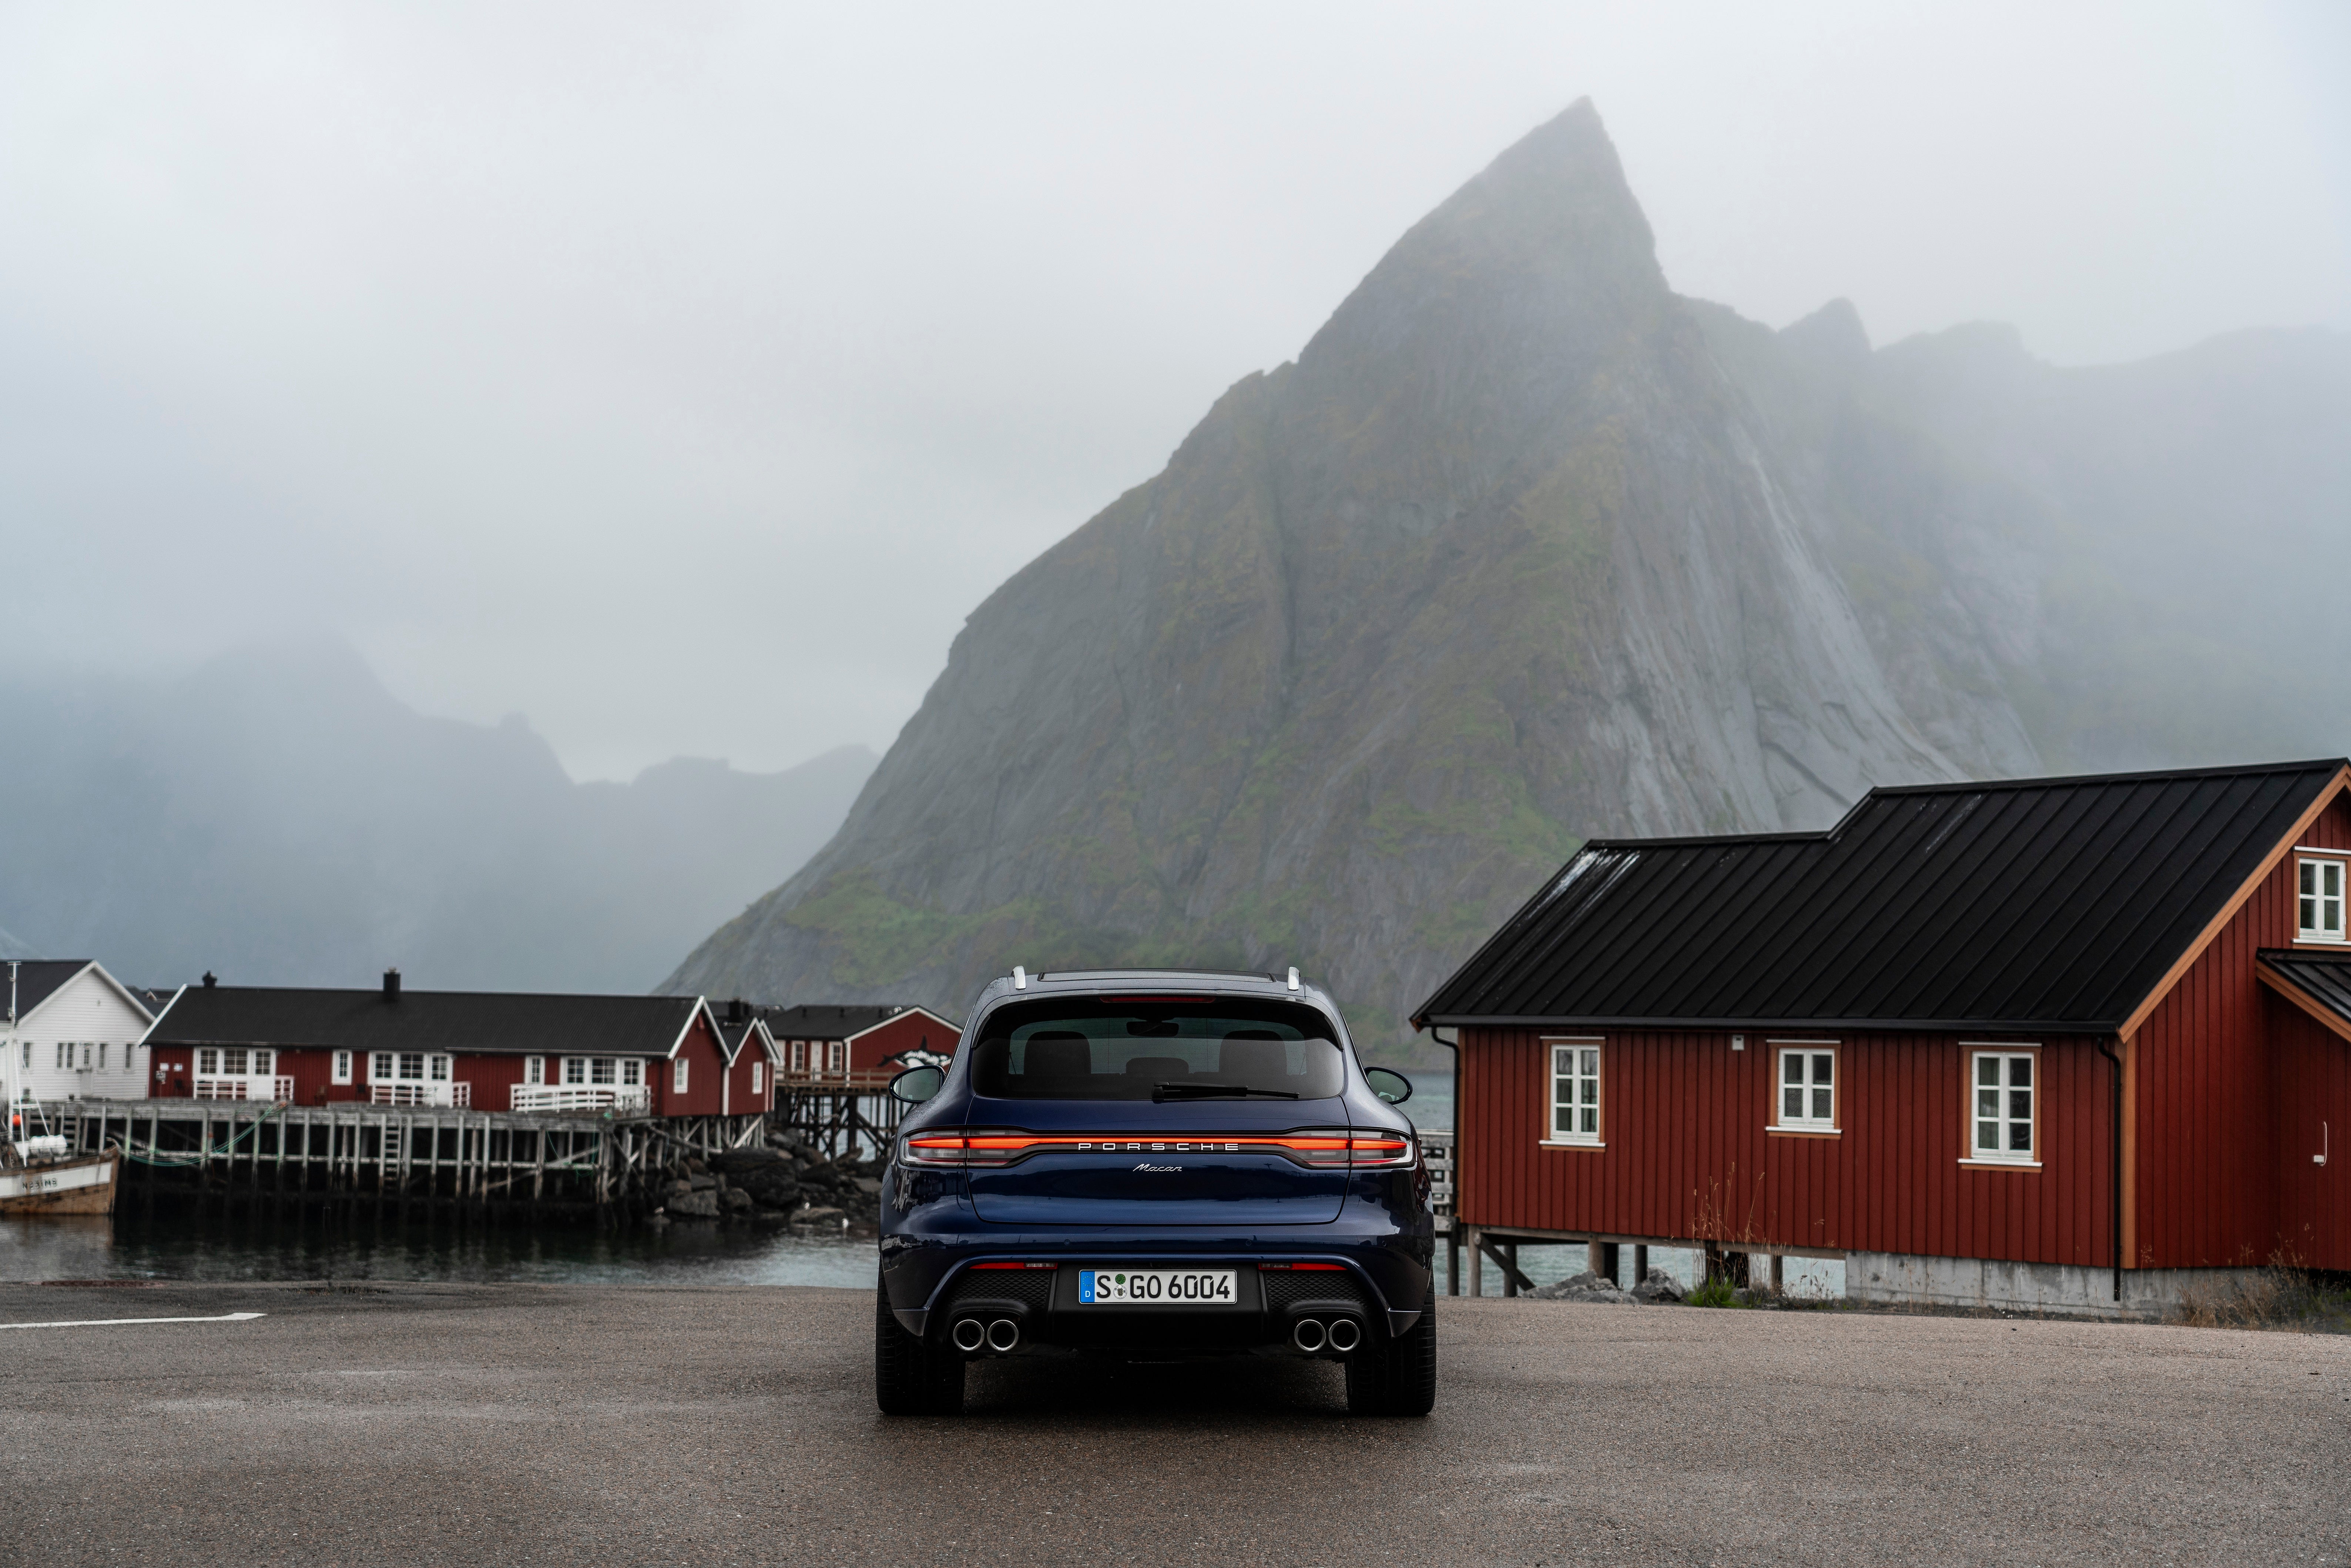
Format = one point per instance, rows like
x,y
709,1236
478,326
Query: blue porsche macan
x,y
1155,1164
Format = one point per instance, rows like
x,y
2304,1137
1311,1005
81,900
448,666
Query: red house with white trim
x,y
2074,1044
485,1051
855,1043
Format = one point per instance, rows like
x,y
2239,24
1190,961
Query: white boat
x,y
37,1176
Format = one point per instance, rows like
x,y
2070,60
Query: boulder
x,y
696,1205
1584,1287
736,1200
818,1216
869,1186
1657,1290
700,1182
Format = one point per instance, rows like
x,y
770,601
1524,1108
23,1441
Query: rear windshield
x,y
1115,1049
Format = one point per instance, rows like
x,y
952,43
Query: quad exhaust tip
x,y
1308,1335
971,1334
1002,1335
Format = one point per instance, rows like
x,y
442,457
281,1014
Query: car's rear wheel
x,y
1399,1377
911,1378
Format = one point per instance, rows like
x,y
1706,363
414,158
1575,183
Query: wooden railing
x,y
546,1097
420,1094
241,1088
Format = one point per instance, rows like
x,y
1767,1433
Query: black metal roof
x,y
476,1022
2031,904
2324,978
733,1030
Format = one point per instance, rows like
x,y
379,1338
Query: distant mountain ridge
x,y
1525,548
280,818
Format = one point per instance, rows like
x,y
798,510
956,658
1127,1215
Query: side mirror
x,y
917,1084
1393,1087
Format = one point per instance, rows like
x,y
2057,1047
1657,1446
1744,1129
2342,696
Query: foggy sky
x,y
682,376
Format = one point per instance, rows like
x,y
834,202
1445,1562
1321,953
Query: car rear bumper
x,y
1381,1276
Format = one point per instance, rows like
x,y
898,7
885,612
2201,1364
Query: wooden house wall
x,y
742,1099
2313,1076
1687,1156
2205,1090
910,1030
84,1011
704,1095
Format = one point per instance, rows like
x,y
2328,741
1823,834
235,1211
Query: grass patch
x,y
1716,1291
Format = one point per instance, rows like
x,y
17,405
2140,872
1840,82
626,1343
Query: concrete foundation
x,y
1899,1277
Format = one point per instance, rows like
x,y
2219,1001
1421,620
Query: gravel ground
x,y
554,1423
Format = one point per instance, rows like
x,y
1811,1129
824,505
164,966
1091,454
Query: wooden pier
x,y
386,1154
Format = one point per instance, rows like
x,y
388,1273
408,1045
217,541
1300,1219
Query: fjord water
x,y
171,1242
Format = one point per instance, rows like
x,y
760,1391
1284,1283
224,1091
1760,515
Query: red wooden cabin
x,y
855,1044
2072,1044
752,1058
488,1051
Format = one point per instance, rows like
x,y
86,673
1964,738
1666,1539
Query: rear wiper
x,y
1160,1092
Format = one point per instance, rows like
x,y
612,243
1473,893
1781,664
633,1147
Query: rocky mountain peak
x,y
1523,549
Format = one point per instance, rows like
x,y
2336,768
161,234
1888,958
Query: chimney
x,y
211,979
392,985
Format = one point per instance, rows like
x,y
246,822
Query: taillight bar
x,y
965,1147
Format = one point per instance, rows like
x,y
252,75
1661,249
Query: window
x,y
1574,1092
1138,1051
437,1069
534,1069
101,1056
633,1072
264,1063
575,1070
2002,1119
603,1069
677,1076
342,1067
832,1049
758,1078
799,1056
65,1055
208,1061
1807,1099
2321,901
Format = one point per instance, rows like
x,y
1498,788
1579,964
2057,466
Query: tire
x,y
1398,1378
910,1378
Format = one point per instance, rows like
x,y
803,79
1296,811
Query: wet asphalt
x,y
573,1424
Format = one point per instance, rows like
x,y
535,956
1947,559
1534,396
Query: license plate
x,y
1156,1288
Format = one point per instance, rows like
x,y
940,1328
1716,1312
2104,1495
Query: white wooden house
x,y
74,1032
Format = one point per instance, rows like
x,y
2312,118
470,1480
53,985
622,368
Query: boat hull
x,y
85,1185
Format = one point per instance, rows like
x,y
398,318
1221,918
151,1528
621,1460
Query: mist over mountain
x,y
280,818
1525,549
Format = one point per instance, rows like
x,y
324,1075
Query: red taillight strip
x,y
1314,1149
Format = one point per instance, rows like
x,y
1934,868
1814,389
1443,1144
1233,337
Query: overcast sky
x,y
681,376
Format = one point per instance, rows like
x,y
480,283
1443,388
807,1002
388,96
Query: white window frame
x,y
678,1075
534,1069
758,1078
2319,913
632,1072
340,1070
799,1056
1585,1083
1971,1107
1807,1086
835,1051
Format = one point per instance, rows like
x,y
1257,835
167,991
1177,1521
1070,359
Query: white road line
x,y
110,1323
